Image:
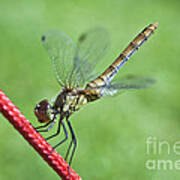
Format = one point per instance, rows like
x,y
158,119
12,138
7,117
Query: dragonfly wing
x,y
91,47
126,83
61,50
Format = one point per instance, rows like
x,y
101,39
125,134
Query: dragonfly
x,y
73,65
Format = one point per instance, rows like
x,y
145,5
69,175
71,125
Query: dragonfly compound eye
x,y
43,111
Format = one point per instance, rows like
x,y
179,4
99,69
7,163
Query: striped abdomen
x,y
112,70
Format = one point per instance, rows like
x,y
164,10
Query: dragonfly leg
x,y
46,130
45,125
52,122
73,141
66,137
67,153
58,130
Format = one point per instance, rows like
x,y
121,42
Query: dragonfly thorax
x,y
69,101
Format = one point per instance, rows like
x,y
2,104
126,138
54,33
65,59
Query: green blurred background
x,y
111,132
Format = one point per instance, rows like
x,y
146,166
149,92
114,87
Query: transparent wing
x,y
91,47
126,83
61,50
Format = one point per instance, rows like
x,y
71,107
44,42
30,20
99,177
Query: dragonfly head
x,y
43,111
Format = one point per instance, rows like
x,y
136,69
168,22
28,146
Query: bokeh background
x,y
111,132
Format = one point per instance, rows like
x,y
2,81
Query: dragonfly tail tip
x,y
156,24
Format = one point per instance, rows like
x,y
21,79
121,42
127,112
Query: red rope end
x,y
24,127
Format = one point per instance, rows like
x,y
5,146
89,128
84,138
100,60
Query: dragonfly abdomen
x,y
111,71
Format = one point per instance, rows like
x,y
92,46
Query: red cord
x,y
12,113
